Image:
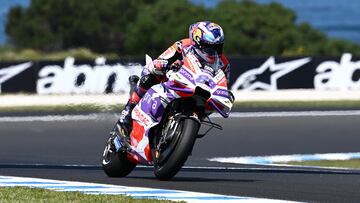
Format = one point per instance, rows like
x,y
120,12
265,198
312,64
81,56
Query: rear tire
x,y
116,164
168,169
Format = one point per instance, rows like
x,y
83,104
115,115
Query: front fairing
x,y
191,76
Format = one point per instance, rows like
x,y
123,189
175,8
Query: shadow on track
x,y
197,179
195,169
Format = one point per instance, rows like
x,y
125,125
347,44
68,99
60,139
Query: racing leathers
x,y
154,73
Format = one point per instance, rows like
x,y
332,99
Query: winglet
x,y
148,59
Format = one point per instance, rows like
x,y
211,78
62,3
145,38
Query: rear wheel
x,y
174,148
115,164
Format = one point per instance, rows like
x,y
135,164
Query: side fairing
x,y
147,114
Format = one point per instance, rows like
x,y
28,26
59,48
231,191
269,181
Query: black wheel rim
x,y
167,148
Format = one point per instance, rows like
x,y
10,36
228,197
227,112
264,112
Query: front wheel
x,y
169,161
115,164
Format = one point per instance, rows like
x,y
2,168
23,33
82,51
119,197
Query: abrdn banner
x,y
67,77
247,73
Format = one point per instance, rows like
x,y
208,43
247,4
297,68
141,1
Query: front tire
x,y
174,162
116,164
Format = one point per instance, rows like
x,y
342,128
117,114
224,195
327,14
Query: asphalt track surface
x,y
71,150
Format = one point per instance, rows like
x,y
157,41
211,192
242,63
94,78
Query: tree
x,y
55,25
149,26
159,25
271,29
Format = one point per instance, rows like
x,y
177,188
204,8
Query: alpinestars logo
x,y
11,71
258,79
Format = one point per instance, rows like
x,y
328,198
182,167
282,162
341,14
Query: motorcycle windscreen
x,y
209,58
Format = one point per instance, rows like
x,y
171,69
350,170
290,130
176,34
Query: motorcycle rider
x,y
202,36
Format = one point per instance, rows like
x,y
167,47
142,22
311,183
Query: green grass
x,y
352,163
36,195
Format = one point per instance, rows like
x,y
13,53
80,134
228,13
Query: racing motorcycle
x,y
167,120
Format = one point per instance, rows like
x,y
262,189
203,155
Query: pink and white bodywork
x,y
185,82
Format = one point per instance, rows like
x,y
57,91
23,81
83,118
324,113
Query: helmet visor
x,y
217,47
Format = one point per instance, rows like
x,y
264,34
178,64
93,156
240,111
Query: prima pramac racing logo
x,y
266,76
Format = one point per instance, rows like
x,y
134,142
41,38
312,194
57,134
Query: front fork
x,y
170,132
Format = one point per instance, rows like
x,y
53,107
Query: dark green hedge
x,y
150,26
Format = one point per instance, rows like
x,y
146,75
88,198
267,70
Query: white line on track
x,y
50,118
135,192
291,114
277,167
99,116
279,159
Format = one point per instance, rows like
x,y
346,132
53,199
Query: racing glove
x,y
158,66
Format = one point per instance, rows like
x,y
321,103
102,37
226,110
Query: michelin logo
x,y
257,79
12,71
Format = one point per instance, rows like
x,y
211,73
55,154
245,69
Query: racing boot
x,y
124,124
